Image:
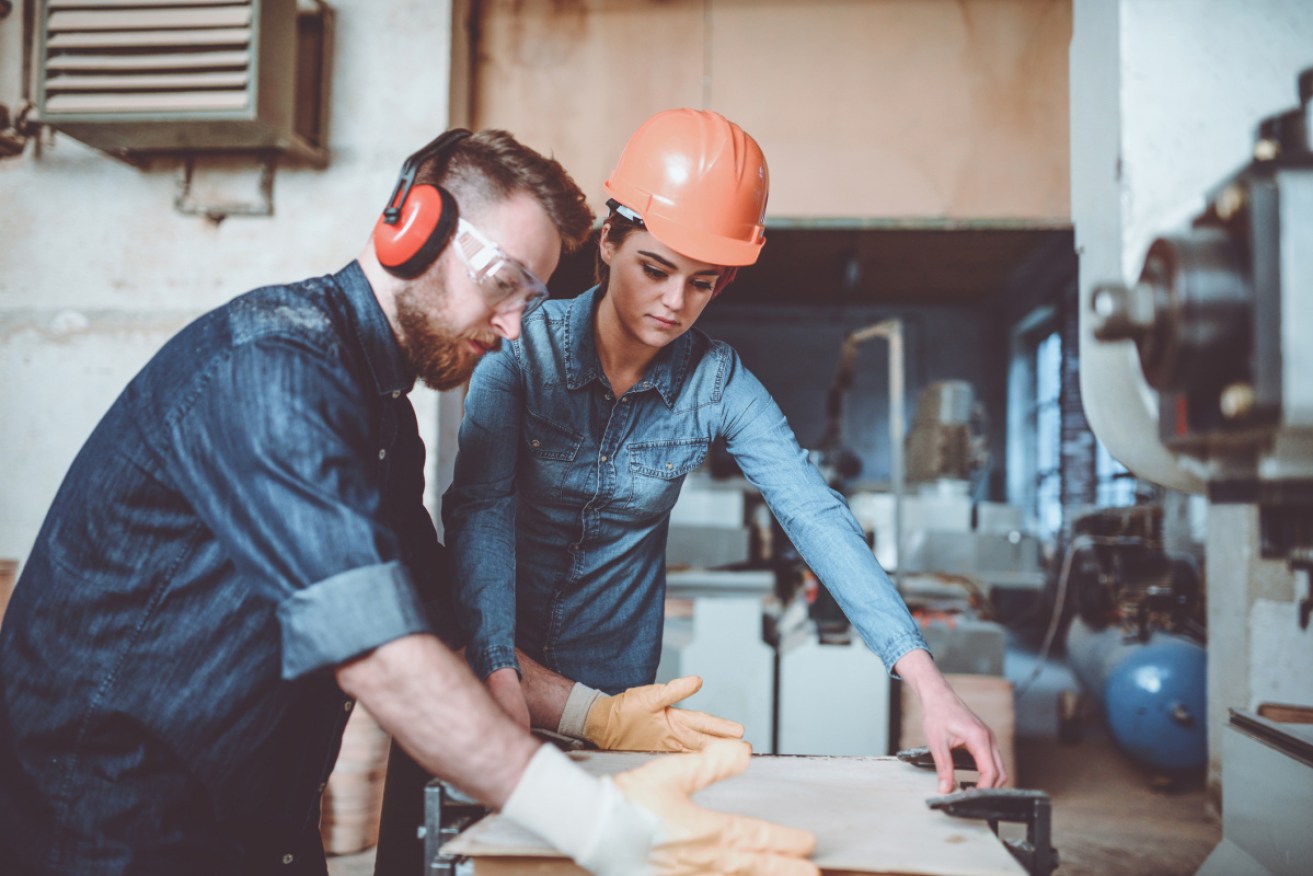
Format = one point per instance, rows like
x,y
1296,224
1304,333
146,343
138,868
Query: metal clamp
x,y
1031,808
447,812
921,757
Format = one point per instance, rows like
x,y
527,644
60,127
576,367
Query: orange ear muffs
x,y
419,219
425,224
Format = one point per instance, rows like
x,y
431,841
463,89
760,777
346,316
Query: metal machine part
x,y
1123,577
1265,813
447,812
1221,319
947,438
1016,805
1221,316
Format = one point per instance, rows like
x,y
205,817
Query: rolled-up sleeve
x,y
281,455
381,602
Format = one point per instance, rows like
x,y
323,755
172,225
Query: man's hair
x,y
491,166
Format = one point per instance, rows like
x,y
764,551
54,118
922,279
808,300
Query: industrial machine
x,y
1221,318
1136,637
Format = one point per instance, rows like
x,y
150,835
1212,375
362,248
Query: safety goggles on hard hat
x,y
507,285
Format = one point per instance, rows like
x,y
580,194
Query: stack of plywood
x,y
989,696
353,799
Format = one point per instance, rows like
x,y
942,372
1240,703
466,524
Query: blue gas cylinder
x,y
1155,701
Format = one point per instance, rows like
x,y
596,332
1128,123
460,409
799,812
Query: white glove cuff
x,y
586,818
581,699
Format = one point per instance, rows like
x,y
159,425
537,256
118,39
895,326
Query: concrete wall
x,y
1165,98
97,269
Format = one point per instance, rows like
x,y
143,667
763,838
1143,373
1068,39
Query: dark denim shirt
x,y
245,517
560,505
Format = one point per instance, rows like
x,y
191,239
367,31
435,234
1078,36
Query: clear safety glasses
x,y
507,285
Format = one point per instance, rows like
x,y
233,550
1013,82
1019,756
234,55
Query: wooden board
x,y
868,814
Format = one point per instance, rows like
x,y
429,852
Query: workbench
x,y
869,815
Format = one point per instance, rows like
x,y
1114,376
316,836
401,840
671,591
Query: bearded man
x,y
239,554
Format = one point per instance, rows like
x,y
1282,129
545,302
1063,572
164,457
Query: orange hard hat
x,y
698,182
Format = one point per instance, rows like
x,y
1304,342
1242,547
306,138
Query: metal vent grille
x,y
137,77
147,56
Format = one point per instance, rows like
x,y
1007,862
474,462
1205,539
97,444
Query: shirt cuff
x,y
486,661
575,715
346,615
893,650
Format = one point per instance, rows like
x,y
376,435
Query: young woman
x,y
578,435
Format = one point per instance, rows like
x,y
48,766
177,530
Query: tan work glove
x,y
644,719
645,822
693,840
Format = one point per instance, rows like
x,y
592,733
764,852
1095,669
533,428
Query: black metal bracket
x,y
921,757
1031,808
447,812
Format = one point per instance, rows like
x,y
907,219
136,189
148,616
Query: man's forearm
x,y
544,690
427,698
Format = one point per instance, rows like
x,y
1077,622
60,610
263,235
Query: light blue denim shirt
x,y
558,513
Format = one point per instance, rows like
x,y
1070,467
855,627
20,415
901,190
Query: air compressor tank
x,y
1153,692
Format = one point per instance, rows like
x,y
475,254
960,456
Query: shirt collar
x,y
665,374
392,375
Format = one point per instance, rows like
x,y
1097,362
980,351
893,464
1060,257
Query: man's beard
x,y
441,358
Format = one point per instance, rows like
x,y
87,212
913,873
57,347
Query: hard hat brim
x,y
702,246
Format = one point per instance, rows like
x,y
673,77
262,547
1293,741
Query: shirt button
x,y
603,459
670,465
625,400
535,443
382,454
346,707
574,548
288,858
396,393
608,396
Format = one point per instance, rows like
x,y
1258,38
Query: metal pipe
x,y
892,331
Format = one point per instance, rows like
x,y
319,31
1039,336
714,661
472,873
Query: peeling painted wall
x,y
925,109
97,269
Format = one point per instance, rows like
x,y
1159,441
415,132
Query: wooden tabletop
x,y
868,813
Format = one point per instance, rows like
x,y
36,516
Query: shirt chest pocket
x,y
549,453
658,469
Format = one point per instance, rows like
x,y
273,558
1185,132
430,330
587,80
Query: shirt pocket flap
x,y
667,459
547,440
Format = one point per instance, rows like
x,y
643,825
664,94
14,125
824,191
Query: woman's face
x,y
656,293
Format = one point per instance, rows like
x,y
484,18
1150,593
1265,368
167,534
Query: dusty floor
x,y
1110,817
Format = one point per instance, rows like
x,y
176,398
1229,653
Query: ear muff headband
x,y
419,219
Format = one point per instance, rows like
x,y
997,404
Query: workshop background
x,y
960,173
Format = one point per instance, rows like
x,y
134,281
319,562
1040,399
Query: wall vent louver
x,y
146,76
